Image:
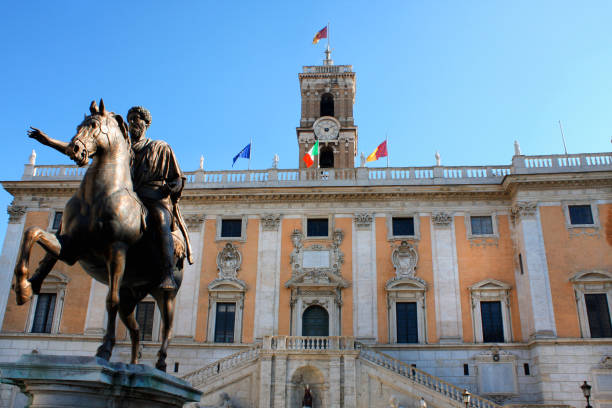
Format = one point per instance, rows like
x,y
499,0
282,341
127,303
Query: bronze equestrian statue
x,y
104,227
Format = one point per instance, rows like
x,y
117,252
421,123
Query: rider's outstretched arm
x,y
42,137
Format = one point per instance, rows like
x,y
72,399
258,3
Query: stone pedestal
x,y
90,382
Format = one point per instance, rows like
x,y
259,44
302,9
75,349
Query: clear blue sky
x,y
465,78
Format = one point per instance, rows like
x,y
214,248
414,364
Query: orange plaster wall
x,y
247,273
284,309
74,311
346,225
386,271
569,251
477,263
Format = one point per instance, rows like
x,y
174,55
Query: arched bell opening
x,y
327,105
326,157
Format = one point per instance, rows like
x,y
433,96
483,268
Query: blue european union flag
x,y
244,153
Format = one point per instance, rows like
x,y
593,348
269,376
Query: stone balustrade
x,y
362,176
308,343
223,365
420,377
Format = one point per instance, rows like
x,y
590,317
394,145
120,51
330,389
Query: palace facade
x,y
372,285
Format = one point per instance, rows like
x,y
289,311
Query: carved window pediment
x,y
406,284
227,285
316,264
592,277
490,284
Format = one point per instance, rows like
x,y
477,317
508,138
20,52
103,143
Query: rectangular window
x,y
317,227
403,226
599,314
144,317
482,225
407,328
43,316
224,322
492,322
526,369
466,369
580,214
57,220
231,228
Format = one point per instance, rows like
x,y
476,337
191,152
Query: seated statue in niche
x,y
307,400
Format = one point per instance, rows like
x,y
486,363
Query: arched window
x,y
326,158
315,321
327,105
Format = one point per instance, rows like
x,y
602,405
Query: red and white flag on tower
x,y
321,34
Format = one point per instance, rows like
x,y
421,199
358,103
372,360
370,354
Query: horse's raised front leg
x,y
127,313
115,256
165,301
51,244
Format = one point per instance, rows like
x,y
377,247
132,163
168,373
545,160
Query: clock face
x,y
326,129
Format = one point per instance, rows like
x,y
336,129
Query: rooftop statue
x,y
123,225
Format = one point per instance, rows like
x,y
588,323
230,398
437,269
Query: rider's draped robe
x,y
155,172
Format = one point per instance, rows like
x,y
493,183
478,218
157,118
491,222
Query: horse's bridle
x,y
84,137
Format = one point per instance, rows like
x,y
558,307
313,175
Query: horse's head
x,y
100,131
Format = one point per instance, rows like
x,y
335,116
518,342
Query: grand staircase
x,y
225,375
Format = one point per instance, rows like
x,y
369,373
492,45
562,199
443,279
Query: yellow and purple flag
x,y
321,34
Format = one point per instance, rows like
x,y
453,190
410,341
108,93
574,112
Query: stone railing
x,y
308,343
363,176
325,69
421,377
220,366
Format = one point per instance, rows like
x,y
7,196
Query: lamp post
x,y
466,397
586,390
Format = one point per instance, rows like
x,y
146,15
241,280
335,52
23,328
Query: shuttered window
x,y
492,322
580,214
144,316
231,228
481,225
402,226
599,315
43,316
406,322
315,322
224,322
317,227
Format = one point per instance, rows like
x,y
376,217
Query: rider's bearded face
x,y
137,127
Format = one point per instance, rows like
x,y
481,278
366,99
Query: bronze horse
x,y
103,228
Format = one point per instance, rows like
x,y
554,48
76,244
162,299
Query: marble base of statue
x,y
91,382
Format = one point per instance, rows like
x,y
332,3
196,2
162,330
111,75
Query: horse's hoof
x,y
103,353
168,284
160,365
23,292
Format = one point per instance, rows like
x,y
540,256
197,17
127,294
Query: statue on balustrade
x,y
123,225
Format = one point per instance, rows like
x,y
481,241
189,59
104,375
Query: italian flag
x,y
309,157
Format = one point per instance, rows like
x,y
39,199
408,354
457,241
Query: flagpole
x,y
328,34
250,151
387,146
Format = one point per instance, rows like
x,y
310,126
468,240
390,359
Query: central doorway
x,y
315,321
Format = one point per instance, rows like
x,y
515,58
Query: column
x,y
533,287
265,381
12,240
365,320
446,279
334,382
280,380
95,321
185,315
268,277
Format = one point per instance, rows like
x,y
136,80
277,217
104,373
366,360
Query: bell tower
x,y
328,96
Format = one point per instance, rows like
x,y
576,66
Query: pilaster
x,y
280,381
533,288
10,250
334,382
364,278
265,381
350,381
268,276
446,279
95,321
187,299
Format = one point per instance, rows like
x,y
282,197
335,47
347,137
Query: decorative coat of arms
x,y
229,261
404,259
